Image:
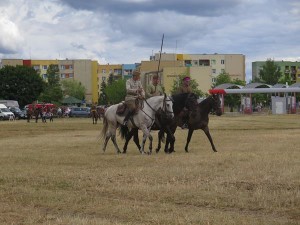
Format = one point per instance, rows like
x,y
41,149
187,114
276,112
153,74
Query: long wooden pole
x,y
162,43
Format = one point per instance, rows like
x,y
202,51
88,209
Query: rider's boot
x,y
128,115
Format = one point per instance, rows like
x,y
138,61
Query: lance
x,y
162,43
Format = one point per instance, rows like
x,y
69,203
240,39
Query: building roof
x,y
228,86
257,85
71,100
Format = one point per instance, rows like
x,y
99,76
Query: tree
x,y
53,91
53,75
102,98
270,73
21,83
222,78
116,92
110,79
230,99
193,83
73,88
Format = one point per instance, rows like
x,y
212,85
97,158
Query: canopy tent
x,y
71,101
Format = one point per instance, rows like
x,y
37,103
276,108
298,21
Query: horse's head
x,y
168,106
216,104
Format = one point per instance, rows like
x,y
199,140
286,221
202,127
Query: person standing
x,y
135,93
154,89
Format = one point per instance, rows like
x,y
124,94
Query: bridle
x,y
164,109
215,99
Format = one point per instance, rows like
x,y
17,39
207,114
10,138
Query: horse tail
x,y
104,128
124,131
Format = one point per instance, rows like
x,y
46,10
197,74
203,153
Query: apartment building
x,y
204,68
286,67
82,70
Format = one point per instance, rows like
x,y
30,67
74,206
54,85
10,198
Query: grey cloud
x,y
188,7
78,46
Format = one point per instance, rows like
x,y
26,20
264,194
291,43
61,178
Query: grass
x,y
56,173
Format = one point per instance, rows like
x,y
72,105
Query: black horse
x,y
162,122
198,119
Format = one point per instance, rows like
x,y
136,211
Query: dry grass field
x,y
56,173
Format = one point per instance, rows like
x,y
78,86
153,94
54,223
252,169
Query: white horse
x,y
143,119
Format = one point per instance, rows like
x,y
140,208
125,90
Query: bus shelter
x,y
283,101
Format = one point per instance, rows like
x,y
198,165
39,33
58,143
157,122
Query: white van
x,y
4,112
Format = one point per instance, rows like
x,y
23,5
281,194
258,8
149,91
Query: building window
x,y
71,67
71,75
222,71
213,80
222,61
213,71
213,62
63,76
188,63
204,62
37,67
45,76
45,67
104,71
62,67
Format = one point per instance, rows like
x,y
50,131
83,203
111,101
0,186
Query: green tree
x,y
21,83
73,88
270,73
193,83
116,92
232,100
103,98
110,79
53,92
222,78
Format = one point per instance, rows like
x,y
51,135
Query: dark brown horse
x,y
94,114
33,112
198,119
162,122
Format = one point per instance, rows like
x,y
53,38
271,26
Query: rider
x,y
185,88
155,88
135,93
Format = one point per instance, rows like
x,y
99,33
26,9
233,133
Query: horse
x,y
101,111
198,119
33,112
94,114
180,101
143,119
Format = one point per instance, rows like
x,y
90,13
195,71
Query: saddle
x,y
122,109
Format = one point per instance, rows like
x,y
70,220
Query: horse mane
x,y
179,101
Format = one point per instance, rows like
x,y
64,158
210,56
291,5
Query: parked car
x,y
18,113
5,113
79,112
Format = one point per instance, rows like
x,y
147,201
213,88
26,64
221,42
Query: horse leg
x,y
206,131
105,142
136,138
188,140
160,137
128,137
146,134
150,145
113,138
135,134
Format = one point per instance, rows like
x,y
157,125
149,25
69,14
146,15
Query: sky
x,y
129,31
